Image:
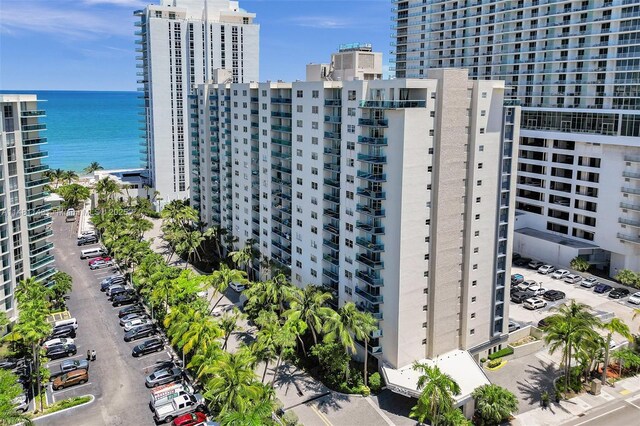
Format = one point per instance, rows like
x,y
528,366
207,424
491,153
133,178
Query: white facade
x,y
355,61
181,43
25,225
574,66
393,194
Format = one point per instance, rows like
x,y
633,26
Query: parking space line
x,y
60,360
58,392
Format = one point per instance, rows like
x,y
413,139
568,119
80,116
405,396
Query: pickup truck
x,y
164,394
178,406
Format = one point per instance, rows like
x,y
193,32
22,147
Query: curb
x,y
93,398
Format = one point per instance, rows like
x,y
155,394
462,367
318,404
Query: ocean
x,y
90,126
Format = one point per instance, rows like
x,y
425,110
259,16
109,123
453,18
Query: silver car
x,y
164,376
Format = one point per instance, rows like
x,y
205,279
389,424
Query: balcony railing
x,y
369,279
36,251
40,222
329,274
332,135
373,122
369,228
629,222
331,229
631,238
629,206
37,236
333,102
393,104
372,141
40,263
369,297
369,245
372,177
369,261
375,159
630,190
374,195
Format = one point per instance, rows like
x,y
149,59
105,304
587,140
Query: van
x,y
71,321
92,252
71,215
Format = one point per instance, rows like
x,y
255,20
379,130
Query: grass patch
x,y
524,341
64,404
5,352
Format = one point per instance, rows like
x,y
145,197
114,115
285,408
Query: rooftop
x,y
554,238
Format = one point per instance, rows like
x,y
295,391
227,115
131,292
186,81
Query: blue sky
x,y
89,44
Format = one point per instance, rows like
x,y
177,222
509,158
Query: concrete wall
x,y
529,348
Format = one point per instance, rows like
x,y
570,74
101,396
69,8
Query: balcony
x,y
332,198
372,141
632,158
333,119
331,229
635,223
281,114
373,311
331,259
627,190
37,196
40,263
331,275
370,122
37,182
369,261
332,102
332,151
631,238
332,167
631,175
373,195
332,135
33,127
36,251
44,208
33,113
34,141
369,279
332,182
33,224
281,128
628,206
372,177
280,100
369,228
369,245
374,159
281,142
393,104
368,297
45,274
332,213
331,244
36,169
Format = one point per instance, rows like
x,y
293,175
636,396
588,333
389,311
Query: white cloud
x,y
123,3
69,22
326,22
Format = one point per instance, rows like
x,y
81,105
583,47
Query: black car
x,y
520,296
61,351
124,299
553,295
62,331
133,309
147,347
119,291
140,332
619,293
522,261
10,363
543,323
87,239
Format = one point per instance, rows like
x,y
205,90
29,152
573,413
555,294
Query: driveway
x,y
116,379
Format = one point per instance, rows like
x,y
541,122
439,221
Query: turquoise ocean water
x,y
90,126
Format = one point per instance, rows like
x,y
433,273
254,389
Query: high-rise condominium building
x,y
24,223
180,43
393,194
574,65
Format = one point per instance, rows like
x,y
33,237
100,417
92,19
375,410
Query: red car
x,y
190,419
95,259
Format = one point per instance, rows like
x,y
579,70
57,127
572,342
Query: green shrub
x,y
483,360
628,277
375,382
580,264
290,418
494,362
502,352
364,390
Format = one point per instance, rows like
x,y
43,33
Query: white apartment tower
x,y
393,194
25,225
180,43
575,66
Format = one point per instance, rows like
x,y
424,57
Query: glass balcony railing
x,y
332,182
34,141
369,228
33,113
375,159
331,229
332,135
333,102
370,122
369,278
369,245
331,275
47,273
371,194
43,248
39,222
41,262
372,177
33,127
372,140
370,211
369,261
36,169
393,104
371,298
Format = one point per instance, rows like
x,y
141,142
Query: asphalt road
x,y
616,413
116,379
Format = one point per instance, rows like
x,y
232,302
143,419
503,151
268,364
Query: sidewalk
x,y
576,407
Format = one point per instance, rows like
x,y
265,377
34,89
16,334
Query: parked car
x,y
164,376
523,261
534,303
21,403
124,299
75,377
61,351
190,419
517,279
635,298
147,347
513,326
74,364
560,274
543,322
140,332
537,290
131,317
57,341
535,264
553,295
572,279
520,296
161,365
101,264
132,309
602,288
87,239
64,331
10,363
619,293
120,291
589,282
163,394
136,323
104,286
208,423
177,407
524,286
236,286
99,259
546,269
113,279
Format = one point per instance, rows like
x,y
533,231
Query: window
x,y
349,195
351,128
314,185
299,152
314,229
314,109
298,108
348,227
351,146
315,93
314,273
298,222
314,125
298,264
483,113
479,165
472,331
426,257
477,217
351,112
350,162
476,233
426,274
352,95
348,274
473,315
348,243
474,283
298,250
476,249
475,266
484,95
482,130
299,93
431,133
299,123
314,141
314,171
299,167
481,148
478,199
473,299
479,183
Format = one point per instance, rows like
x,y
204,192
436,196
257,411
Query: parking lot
x,y
600,303
116,379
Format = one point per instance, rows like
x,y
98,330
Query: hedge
x,y
502,352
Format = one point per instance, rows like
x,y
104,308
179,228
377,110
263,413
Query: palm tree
x,y
616,325
257,414
229,324
73,194
62,284
225,276
494,404
309,305
565,327
265,347
106,188
56,176
69,176
284,339
363,327
243,258
94,166
438,390
454,417
10,389
341,326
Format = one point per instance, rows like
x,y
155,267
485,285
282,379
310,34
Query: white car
x,y
534,303
635,298
572,279
237,286
137,323
546,269
560,274
60,341
537,290
101,264
589,282
524,286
